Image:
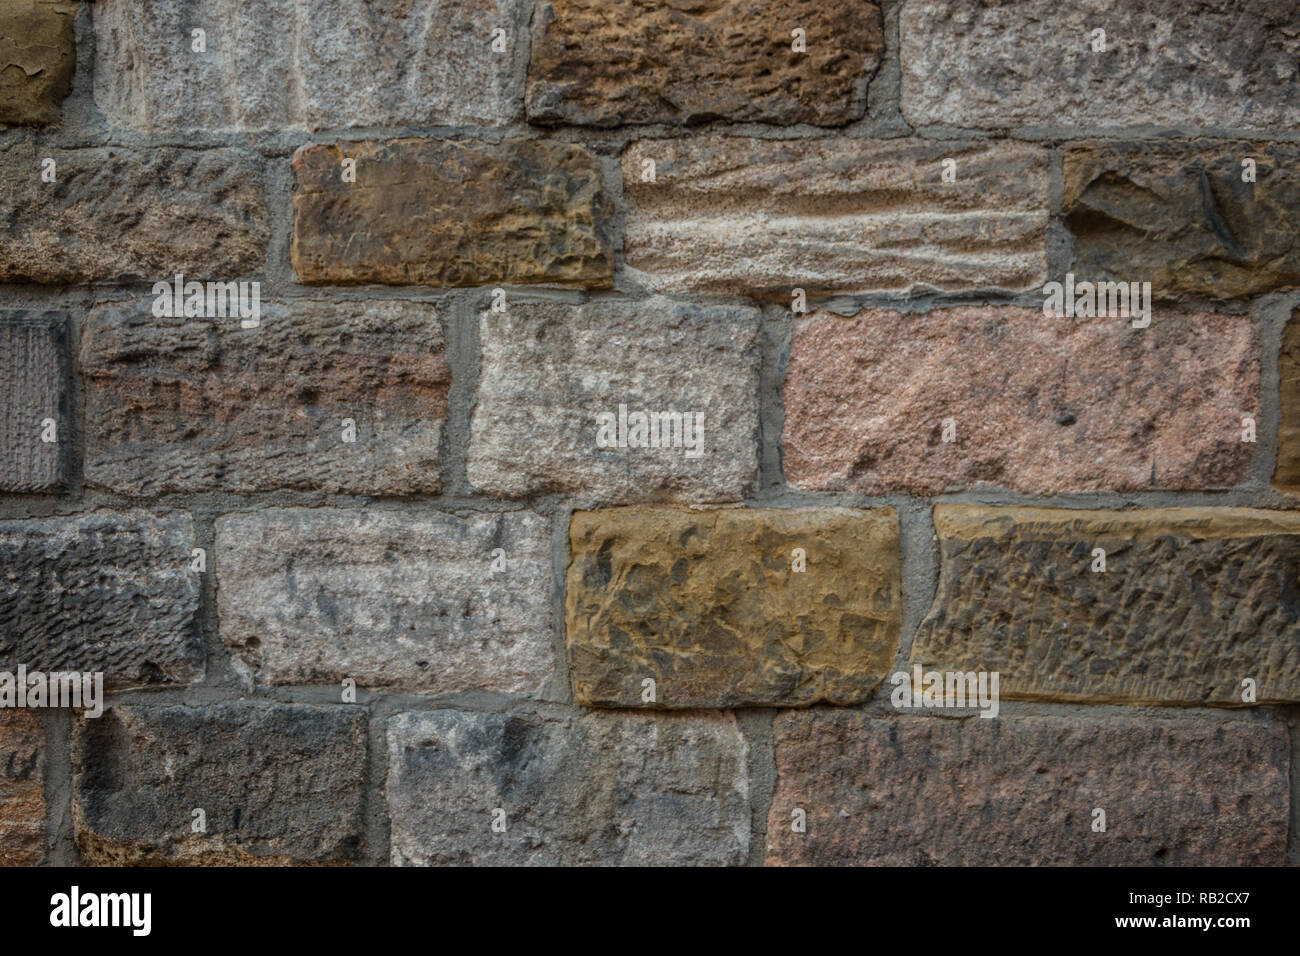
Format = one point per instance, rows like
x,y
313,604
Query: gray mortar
x,y
84,125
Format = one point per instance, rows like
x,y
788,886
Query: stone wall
x,y
376,571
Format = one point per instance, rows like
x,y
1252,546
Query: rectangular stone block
x,y
731,608
1008,397
761,217
35,388
280,64
1024,791
562,386
104,591
38,54
578,789
416,602
597,63
1286,477
277,784
118,213
22,788
1193,602
452,213
995,65
1178,215
206,405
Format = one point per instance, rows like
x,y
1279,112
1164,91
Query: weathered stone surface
x,y
35,371
278,784
1179,216
762,217
549,370
711,606
992,65
400,600
38,54
601,64
275,64
120,213
1193,601
1020,791
1039,404
452,213
1287,476
203,404
104,591
576,790
22,793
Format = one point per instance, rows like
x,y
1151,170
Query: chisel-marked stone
x,y
35,371
577,789
452,213
276,784
206,405
1192,603
414,602
731,608
1023,791
597,63
744,216
1180,216
22,788
118,213
994,65
951,399
550,371
105,591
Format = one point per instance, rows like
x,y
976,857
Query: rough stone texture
x,y
278,783
576,790
762,217
1020,791
104,591
606,64
452,213
38,54
1192,602
1179,216
22,794
203,404
278,64
1287,476
1041,404
35,372
994,65
118,213
398,600
709,605
549,369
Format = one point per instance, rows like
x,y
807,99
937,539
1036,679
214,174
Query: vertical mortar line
x,y
1059,241
60,849
218,667
1270,319
776,329
376,827
1291,716
559,688
278,191
919,572
461,333
756,726
885,92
